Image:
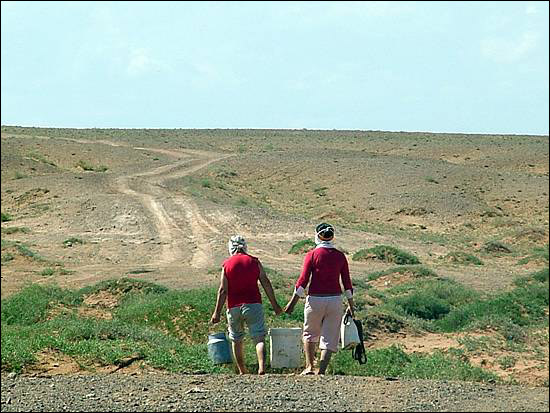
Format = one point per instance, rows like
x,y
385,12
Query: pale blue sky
x,y
473,67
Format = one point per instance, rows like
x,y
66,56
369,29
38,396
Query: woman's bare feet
x,y
307,372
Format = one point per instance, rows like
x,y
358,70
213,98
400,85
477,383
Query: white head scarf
x,y
323,244
237,244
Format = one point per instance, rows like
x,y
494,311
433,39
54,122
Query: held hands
x,y
278,310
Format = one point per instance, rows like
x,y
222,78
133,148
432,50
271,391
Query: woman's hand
x,y
278,310
215,318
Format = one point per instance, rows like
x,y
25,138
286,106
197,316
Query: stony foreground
x,y
173,392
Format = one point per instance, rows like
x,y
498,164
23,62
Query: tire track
x,y
148,187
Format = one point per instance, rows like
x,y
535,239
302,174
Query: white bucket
x,y
285,347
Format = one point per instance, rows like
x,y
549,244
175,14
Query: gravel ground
x,y
208,393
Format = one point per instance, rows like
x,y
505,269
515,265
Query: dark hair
x,y
324,230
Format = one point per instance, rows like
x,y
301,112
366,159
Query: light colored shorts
x,y
322,319
252,315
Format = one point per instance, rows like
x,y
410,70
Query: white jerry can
x,y
285,347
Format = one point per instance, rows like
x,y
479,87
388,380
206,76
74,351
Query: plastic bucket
x,y
219,350
285,347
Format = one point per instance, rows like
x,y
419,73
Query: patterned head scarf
x,y
237,244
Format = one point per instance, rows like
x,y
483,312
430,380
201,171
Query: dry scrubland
x,y
447,238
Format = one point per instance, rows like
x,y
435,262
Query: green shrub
x,y
386,253
69,242
89,167
27,252
7,257
13,230
46,272
460,257
6,217
301,247
423,306
496,246
417,271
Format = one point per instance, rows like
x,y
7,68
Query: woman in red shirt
x,y
323,269
239,285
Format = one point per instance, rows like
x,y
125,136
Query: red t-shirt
x,y
325,266
242,272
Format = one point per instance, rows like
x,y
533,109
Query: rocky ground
x,y
277,393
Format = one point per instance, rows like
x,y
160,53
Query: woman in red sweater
x,y
239,286
323,269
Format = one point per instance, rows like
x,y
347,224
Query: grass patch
x,y
386,253
27,252
46,272
13,230
416,271
394,362
242,201
7,257
40,158
301,247
320,191
459,257
22,249
89,167
510,312
168,328
69,242
430,299
538,254
6,217
494,246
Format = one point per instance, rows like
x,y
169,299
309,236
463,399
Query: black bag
x,y
358,352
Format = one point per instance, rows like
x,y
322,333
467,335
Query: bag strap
x,y
358,352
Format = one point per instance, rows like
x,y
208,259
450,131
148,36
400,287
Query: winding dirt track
x,y
166,208
149,189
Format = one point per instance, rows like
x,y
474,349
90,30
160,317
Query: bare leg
x,y
239,356
260,353
310,349
325,360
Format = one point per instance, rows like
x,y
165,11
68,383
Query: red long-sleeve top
x,y
325,266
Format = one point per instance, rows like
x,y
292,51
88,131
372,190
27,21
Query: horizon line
x,y
275,129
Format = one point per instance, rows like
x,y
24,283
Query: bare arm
x,y
222,295
348,287
266,284
289,308
351,307
301,284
